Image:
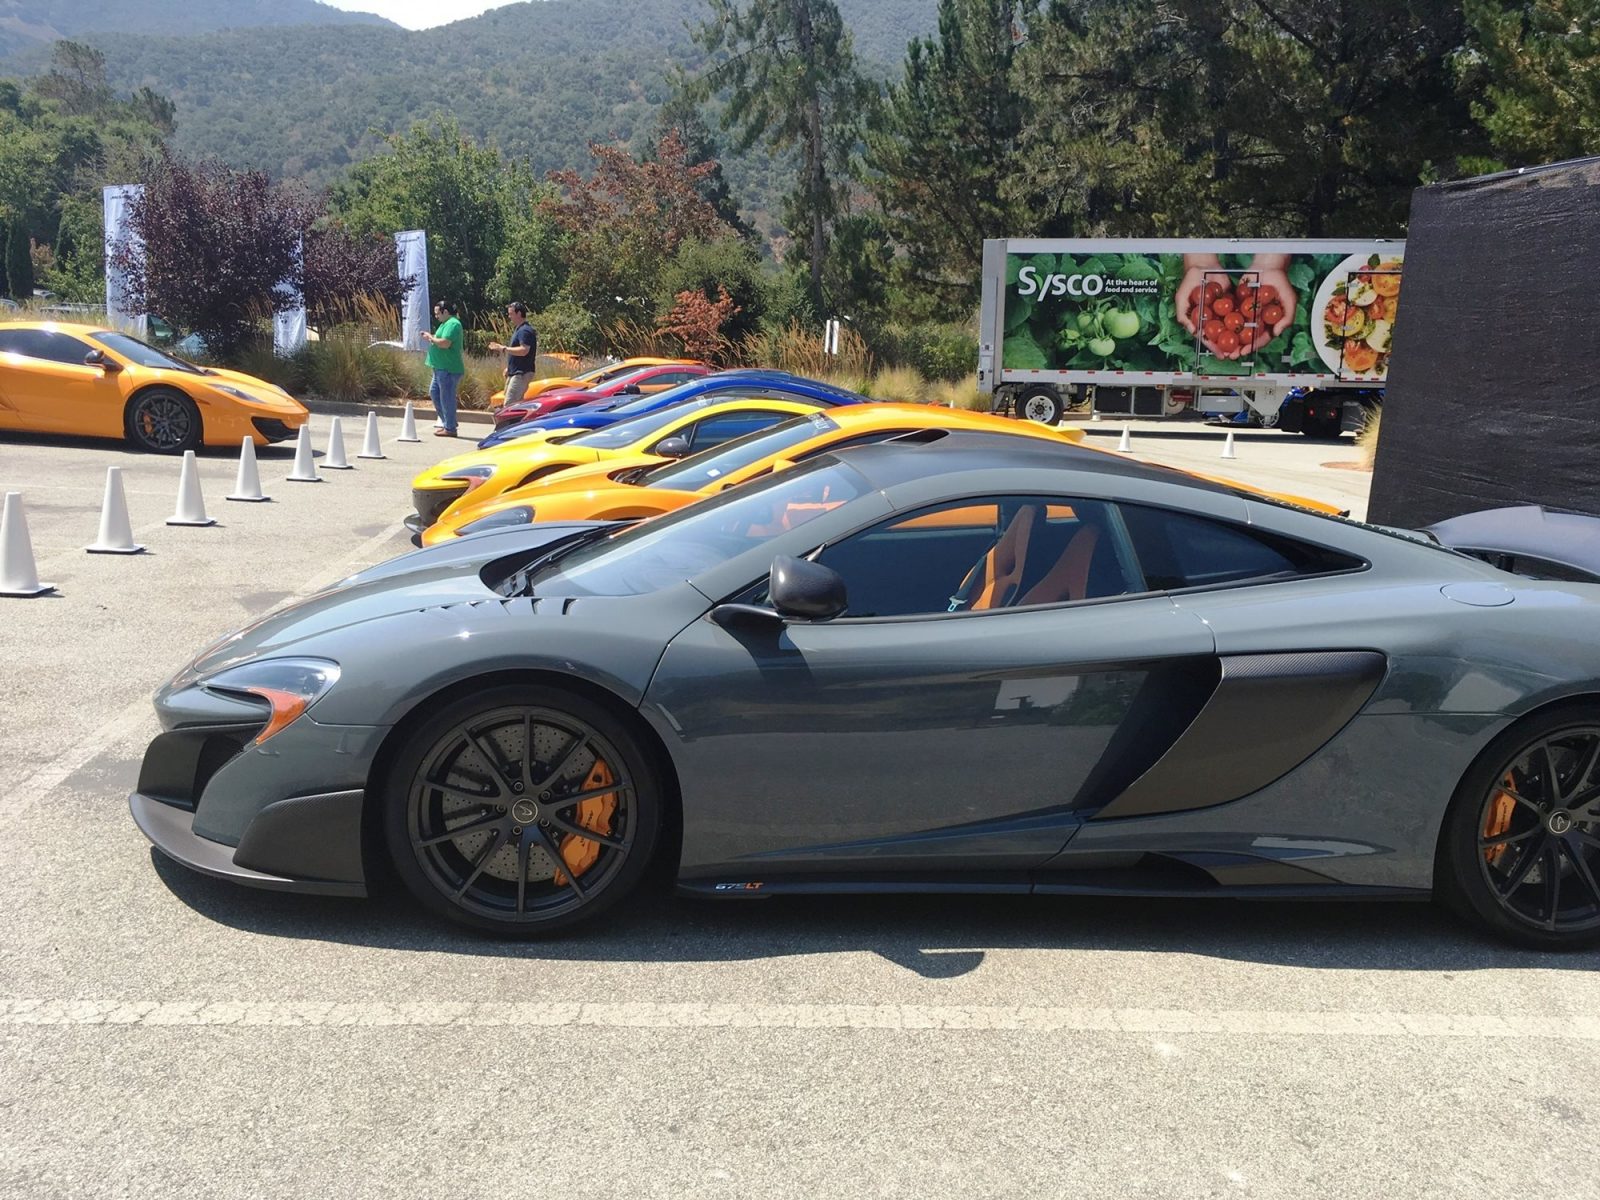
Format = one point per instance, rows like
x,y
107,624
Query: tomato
x,y
1121,323
1103,346
1213,290
1266,294
1338,309
1226,340
1248,307
1387,284
1358,356
1272,314
1233,321
1222,305
1243,293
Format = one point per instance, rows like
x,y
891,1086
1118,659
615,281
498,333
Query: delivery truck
x,y
1297,332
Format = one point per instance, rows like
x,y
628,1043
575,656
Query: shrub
x,y
899,384
1367,439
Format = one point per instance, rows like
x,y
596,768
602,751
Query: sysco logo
x,y
1030,283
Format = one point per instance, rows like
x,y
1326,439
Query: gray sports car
x,y
954,662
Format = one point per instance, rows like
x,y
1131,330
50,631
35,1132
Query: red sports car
x,y
635,383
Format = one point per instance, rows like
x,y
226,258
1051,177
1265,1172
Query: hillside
x,y
305,102
29,23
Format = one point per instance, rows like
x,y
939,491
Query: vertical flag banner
x,y
289,326
118,232
411,247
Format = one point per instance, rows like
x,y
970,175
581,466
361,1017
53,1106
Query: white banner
x,y
117,232
412,249
289,326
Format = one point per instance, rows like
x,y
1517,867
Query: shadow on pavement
x,y
933,936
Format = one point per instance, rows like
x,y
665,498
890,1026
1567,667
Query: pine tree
x,y
942,143
790,72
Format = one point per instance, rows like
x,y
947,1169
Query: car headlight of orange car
x,y
288,685
237,394
506,518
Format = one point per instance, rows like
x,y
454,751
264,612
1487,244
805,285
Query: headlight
x,y
473,475
288,685
237,394
507,518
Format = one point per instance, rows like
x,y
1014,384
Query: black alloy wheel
x,y
521,811
163,421
1522,849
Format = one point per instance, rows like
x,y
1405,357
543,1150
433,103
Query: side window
x,y
1177,550
979,555
713,431
861,439
43,344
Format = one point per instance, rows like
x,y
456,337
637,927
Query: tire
x,y
575,859
1518,856
1040,404
162,421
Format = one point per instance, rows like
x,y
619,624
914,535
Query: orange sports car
x,y
641,485
81,379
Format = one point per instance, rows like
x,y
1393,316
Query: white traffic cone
x,y
372,447
1125,446
18,575
1094,416
408,427
305,464
191,505
247,486
335,460
1227,447
116,534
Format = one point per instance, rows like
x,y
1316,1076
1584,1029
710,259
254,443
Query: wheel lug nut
x,y
516,831
544,795
544,824
501,809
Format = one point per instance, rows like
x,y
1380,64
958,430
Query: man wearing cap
x,y
521,353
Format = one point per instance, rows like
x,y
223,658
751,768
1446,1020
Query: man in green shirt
x,y
444,356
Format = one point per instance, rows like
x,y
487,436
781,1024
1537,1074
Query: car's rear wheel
x,y
162,421
521,810
1520,851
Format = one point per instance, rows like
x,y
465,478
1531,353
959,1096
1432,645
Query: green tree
x,y
943,143
1534,70
462,193
532,266
1242,116
791,77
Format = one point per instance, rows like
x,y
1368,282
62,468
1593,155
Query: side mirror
x,y
800,588
631,390
97,358
672,447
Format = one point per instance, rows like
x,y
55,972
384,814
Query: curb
x,y
422,409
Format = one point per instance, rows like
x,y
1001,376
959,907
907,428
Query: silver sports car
x,y
954,662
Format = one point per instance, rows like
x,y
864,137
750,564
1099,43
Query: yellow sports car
x,y
641,485
593,377
80,379
480,476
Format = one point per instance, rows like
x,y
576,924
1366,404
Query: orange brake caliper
x,y
579,853
1499,820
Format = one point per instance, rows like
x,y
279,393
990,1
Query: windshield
x,y
626,433
667,550
693,473
672,395
142,353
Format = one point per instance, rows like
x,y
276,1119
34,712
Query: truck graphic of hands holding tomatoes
x,y
1235,314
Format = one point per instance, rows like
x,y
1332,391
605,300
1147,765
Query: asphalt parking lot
x,y
165,1034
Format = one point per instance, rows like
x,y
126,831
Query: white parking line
x,y
894,1017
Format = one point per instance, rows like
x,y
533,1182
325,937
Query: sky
x,y
420,14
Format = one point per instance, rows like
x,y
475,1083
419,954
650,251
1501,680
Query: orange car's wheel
x,y
162,421
521,810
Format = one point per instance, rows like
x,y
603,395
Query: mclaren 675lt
x,y
953,661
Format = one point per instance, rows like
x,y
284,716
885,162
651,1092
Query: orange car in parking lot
x,y
93,382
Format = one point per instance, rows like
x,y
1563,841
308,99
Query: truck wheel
x,y
1042,405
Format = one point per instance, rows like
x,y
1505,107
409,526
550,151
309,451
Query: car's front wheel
x,y
1520,851
163,421
521,810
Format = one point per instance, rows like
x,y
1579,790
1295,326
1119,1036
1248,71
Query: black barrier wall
x,y
1494,389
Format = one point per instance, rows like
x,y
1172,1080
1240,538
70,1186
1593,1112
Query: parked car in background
x,y
642,381
95,382
590,378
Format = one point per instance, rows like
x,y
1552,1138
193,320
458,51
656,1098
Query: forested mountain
x,y
25,23
539,79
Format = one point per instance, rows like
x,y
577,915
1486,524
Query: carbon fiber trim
x,y
1268,715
